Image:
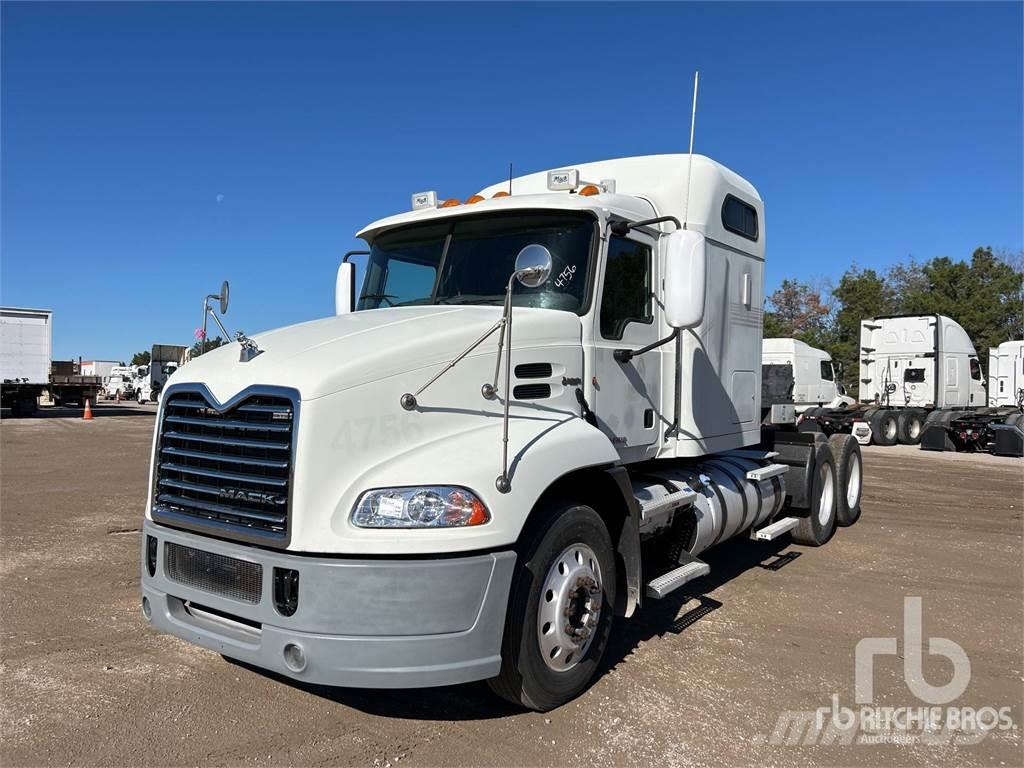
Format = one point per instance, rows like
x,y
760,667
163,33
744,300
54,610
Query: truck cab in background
x,y
1006,375
812,376
919,361
537,412
150,379
920,383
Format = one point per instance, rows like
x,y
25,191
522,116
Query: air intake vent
x,y
214,573
226,472
533,371
531,391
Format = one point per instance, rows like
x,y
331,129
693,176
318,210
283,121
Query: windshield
x,y
475,258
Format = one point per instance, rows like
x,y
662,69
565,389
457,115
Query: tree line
x,y
984,295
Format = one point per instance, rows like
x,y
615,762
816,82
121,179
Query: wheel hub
x,y
569,608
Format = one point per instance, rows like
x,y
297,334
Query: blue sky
x,y
150,151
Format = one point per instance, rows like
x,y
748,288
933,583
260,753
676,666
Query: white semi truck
x,y
912,368
998,428
149,380
540,409
810,376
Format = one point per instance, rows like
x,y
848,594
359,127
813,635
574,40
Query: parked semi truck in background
x,y
910,367
26,371
807,375
540,409
997,428
150,379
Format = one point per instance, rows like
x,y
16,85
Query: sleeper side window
x,y
627,287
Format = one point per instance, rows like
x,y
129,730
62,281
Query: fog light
x,y
147,611
294,657
151,555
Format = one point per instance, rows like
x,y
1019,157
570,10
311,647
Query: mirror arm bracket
x,y
621,228
625,355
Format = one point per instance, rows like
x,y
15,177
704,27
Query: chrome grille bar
x,y
226,468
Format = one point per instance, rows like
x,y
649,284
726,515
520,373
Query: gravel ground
x,y
701,678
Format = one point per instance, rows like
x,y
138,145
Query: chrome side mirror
x,y
224,297
533,266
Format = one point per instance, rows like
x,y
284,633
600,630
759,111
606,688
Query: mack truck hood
x,y
321,357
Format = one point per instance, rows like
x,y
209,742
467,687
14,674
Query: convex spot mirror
x,y
533,265
685,270
224,297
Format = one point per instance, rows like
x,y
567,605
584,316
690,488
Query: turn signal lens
x,y
589,190
450,203
473,199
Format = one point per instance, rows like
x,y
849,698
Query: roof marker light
x,y
501,193
567,179
451,202
423,200
589,190
473,199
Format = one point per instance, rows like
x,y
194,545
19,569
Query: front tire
x,y
567,573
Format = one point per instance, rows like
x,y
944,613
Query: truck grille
x,y
226,471
218,574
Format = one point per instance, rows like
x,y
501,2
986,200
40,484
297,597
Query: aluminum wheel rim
x,y
827,494
852,480
915,429
890,429
569,608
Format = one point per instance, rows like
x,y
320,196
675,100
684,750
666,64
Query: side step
x,y
667,582
776,529
683,497
766,473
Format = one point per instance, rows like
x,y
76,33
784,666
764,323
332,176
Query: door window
x,y
975,369
826,371
627,287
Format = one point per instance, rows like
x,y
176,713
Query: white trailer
x,y
543,409
25,346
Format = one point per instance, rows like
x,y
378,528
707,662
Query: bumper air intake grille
x,y
217,574
227,472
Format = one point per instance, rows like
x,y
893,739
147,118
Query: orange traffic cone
x,y
88,411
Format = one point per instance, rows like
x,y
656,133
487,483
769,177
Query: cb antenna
x,y
689,161
510,178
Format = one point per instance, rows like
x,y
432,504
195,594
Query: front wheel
x,y
560,609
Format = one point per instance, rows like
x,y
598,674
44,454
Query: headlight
x,y
433,506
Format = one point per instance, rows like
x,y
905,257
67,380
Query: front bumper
x,y
405,623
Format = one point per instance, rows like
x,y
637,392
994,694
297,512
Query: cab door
x,y
627,396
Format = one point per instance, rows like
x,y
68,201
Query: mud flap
x,y
936,438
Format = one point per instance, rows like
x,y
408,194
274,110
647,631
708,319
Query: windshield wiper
x,y
471,299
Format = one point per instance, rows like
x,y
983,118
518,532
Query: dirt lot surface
x,y
697,679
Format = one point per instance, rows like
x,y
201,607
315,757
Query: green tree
x,y
797,310
861,293
140,358
213,343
